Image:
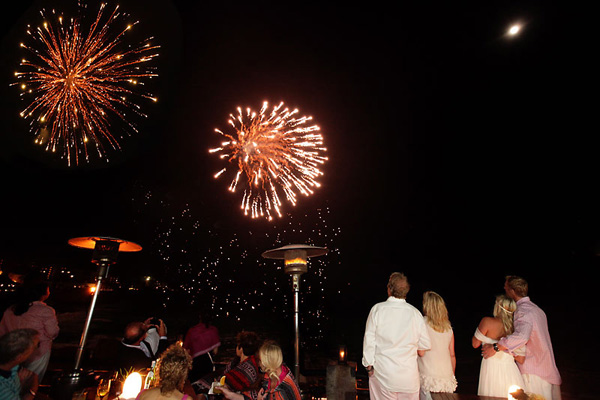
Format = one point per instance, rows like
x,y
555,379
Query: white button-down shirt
x,y
394,332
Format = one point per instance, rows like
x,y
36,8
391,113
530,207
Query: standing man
x,y
531,329
395,331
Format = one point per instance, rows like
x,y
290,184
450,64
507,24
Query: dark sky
x,y
456,155
454,151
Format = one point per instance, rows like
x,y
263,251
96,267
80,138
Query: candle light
x,y
513,389
132,386
342,359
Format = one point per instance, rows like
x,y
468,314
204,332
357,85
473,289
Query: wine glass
x,y
103,387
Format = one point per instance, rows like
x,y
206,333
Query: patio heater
x,y
295,258
105,251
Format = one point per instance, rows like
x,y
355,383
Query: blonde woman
x,y
499,372
172,372
437,365
278,381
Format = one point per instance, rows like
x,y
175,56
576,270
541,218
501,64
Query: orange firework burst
x,y
77,82
272,152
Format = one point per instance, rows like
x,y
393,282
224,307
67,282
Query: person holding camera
x,y
142,343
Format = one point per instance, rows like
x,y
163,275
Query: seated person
x,y
142,343
15,347
171,372
242,373
278,382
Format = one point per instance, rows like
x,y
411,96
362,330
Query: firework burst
x,y
273,153
77,82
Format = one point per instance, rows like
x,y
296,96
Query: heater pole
x,y
296,288
87,325
102,272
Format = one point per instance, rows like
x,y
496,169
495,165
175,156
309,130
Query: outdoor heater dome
x,y
105,248
295,258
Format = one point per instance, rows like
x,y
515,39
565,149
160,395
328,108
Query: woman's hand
x,y
261,394
229,394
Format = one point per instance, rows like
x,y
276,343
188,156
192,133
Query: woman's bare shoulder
x,y
488,323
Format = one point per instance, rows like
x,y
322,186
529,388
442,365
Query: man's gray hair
x,y
398,285
16,342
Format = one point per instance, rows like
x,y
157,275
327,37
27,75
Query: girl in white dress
x,y
500,371
437,365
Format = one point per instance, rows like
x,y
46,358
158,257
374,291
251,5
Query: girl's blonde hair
x,y
504,309
271,358
436,312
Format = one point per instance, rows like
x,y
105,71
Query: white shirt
x,y
152,340
394,332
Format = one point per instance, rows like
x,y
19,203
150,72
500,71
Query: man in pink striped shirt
x,y
531,329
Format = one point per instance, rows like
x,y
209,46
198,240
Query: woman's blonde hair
x,y
436,312
271,358
504,309
172,368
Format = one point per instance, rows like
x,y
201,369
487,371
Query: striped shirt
x,y
531,329
243,375
287,389
10,386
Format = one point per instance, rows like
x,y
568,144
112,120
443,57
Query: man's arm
x,y
520,336
369,342
424,339
156,338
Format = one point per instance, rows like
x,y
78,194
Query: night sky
x,y
456,155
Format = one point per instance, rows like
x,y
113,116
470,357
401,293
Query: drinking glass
x,y
103,387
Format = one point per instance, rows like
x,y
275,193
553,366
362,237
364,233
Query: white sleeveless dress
x,y
498,372
435,367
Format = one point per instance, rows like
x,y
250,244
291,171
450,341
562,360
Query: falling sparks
x,y
273,153
79,83
198,263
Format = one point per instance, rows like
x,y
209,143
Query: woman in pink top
x,y
30,311
200,341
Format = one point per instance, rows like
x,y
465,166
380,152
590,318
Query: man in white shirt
x,y
142,343
395,331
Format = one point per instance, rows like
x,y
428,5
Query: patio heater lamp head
x,y
295,256
106,249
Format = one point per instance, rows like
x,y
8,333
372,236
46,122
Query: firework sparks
x,y
77,82
273,153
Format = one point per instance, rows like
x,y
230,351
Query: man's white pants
x,y
378,392
536,385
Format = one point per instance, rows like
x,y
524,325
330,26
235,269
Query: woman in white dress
x,y
437,365
500,371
